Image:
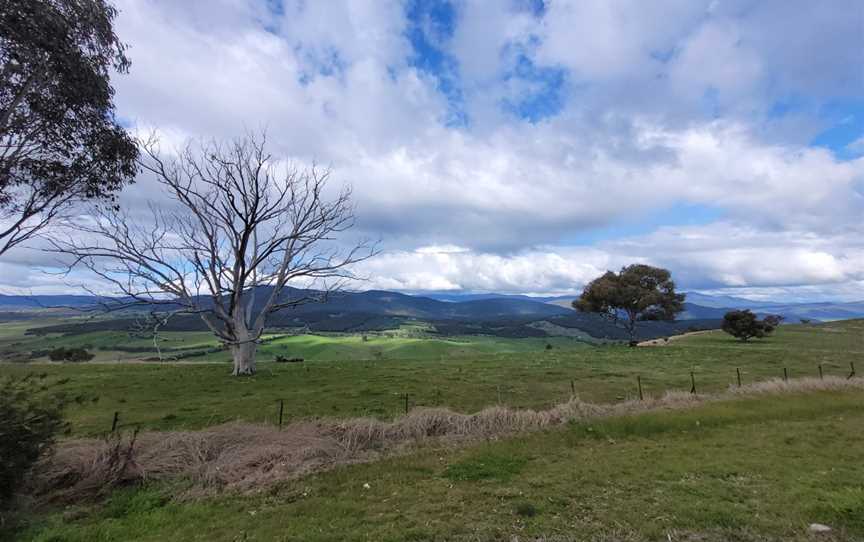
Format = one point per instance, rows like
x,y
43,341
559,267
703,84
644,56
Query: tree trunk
x,y
244,358
631,329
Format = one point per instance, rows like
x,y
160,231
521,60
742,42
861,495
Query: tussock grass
x,y
248,457
778,385
238,455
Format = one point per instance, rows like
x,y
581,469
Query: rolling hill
x,y
725,301
31,302
369,302
375,310
472,314
700,306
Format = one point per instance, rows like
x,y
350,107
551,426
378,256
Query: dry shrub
x,y
92,470
246,457
235,455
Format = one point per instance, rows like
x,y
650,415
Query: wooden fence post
x,y
852,372
281,408
639,385
785,374
114,422
692,382
738,372
820,372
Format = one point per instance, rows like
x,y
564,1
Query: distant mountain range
x,y
506,316
396,304
453,314
703,306
19,302
725,301
459,298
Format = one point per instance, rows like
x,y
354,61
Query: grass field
x,y
186,395
376,347
753,469
748,469
103,344
408,342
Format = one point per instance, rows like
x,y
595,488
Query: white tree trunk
x,y
244,358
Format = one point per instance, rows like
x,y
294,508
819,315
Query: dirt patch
x,y
668,340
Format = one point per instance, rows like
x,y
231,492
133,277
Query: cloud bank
x,y
528,146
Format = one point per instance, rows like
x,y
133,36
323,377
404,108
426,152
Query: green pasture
x,y
745,470
157,395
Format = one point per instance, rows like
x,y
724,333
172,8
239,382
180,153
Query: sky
x,y
527,146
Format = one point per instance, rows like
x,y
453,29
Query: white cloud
x,y
857,145
724,257
490,205
599,40
714,58
728,254
534,271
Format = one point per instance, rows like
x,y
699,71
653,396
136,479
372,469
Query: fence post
x,y
852,367
114,422
738,372
820,372
785,374
692,382
281,408
639,385
572,388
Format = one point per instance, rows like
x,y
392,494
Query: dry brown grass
x,y
248,457
675,535
799,385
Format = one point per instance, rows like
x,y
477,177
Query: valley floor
x,y
189,396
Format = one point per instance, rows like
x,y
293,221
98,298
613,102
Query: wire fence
x,y
406,401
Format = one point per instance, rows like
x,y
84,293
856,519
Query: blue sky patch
x,y
679,214
540,90
847,128
431,25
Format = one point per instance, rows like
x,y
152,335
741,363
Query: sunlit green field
x,y
409,342
104,345
189,395
381,347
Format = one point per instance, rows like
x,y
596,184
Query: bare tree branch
x,y
242,228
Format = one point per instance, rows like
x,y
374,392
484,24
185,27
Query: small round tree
x,y
637,292
744,325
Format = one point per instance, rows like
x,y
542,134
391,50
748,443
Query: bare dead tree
x,y
243,226
147,326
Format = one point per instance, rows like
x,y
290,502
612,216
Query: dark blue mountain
x,y
725,301
396,304
376,309
23,302
461,298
